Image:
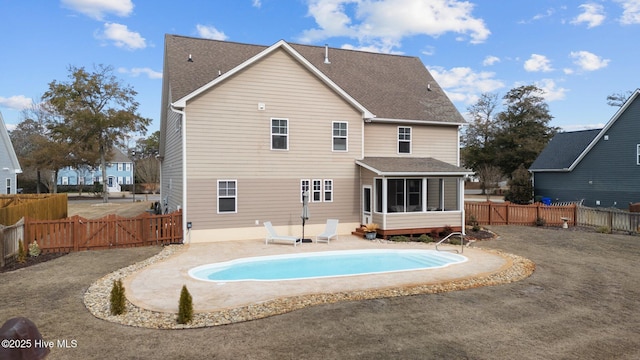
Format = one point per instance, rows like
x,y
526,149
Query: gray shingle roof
x,y
389,86
563,150
411,166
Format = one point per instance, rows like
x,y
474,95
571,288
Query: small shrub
x,y
185,308
22,252
118,300
399,238
425,238
474,223
540,221
603,230
34,249
454,240
446,231
434,234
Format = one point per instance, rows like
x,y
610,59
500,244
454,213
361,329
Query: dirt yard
x,y
580,303
94,209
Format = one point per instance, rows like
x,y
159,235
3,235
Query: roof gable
x,y
381,86
7,147
563,150
568,151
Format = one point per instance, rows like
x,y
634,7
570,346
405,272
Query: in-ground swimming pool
x,y
323,264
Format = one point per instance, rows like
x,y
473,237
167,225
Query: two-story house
x,y
119,172
247,129
9,165
595,167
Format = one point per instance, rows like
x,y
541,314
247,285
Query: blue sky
x,y
577,51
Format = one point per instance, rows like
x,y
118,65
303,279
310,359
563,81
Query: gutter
x,y
184,168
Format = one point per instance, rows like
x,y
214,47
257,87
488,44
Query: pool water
x,y
323,264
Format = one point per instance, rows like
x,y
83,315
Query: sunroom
x,y
412,195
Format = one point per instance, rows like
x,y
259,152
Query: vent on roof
x,y
326,54
190,59
428,87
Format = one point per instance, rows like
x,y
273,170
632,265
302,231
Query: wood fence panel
x,y
77,233
490,213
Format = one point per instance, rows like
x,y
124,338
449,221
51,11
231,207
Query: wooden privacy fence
x,y
491,213
43,206
77,233
614,219
10,236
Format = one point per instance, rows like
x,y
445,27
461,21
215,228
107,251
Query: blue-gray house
x,y
9,165
599,167
119,172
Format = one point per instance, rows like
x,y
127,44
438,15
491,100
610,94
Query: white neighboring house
x,y
9,165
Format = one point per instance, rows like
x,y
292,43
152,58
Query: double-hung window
x,y
317,191
120,166
339,134
638,153
279,134
404,140
328,190
227,196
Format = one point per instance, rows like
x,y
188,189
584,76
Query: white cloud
x,y
588,61
383,24
122,36
631,12
464,85
552,91
210,32
257,3
135,72
592,15
538,63
490,60
17,102
97,9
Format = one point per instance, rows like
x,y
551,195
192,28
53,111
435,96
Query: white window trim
x,y
127,167
235,197
410,140
8,185
305,185
324,190
272,134
120,167
638,155
346,137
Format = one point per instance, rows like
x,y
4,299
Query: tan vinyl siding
x,y
275,200
439,142
229,138
171,181
432,219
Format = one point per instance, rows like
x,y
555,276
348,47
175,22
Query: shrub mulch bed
x,y
31,260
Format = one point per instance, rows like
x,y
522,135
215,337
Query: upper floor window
x,y
8,184
120,166
404,140
638,153
340,136
279,134
127,167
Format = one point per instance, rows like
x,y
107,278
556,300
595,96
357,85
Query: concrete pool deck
x,y
157,287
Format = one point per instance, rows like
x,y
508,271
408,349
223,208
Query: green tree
x,y
523,128
478,151
95,111
520,187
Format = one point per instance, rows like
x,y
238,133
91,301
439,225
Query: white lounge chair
x,y
273,236
330,231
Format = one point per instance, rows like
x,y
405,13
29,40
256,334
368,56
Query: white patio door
x,y
366,204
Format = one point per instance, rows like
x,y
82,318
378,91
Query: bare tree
x,y
490,176
618,99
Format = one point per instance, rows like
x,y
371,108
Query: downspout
x,y
183,129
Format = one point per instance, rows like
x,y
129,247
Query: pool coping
x,y
139,313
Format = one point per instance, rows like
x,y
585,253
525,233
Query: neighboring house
x,y
246,129
9,165
119,172
598,167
